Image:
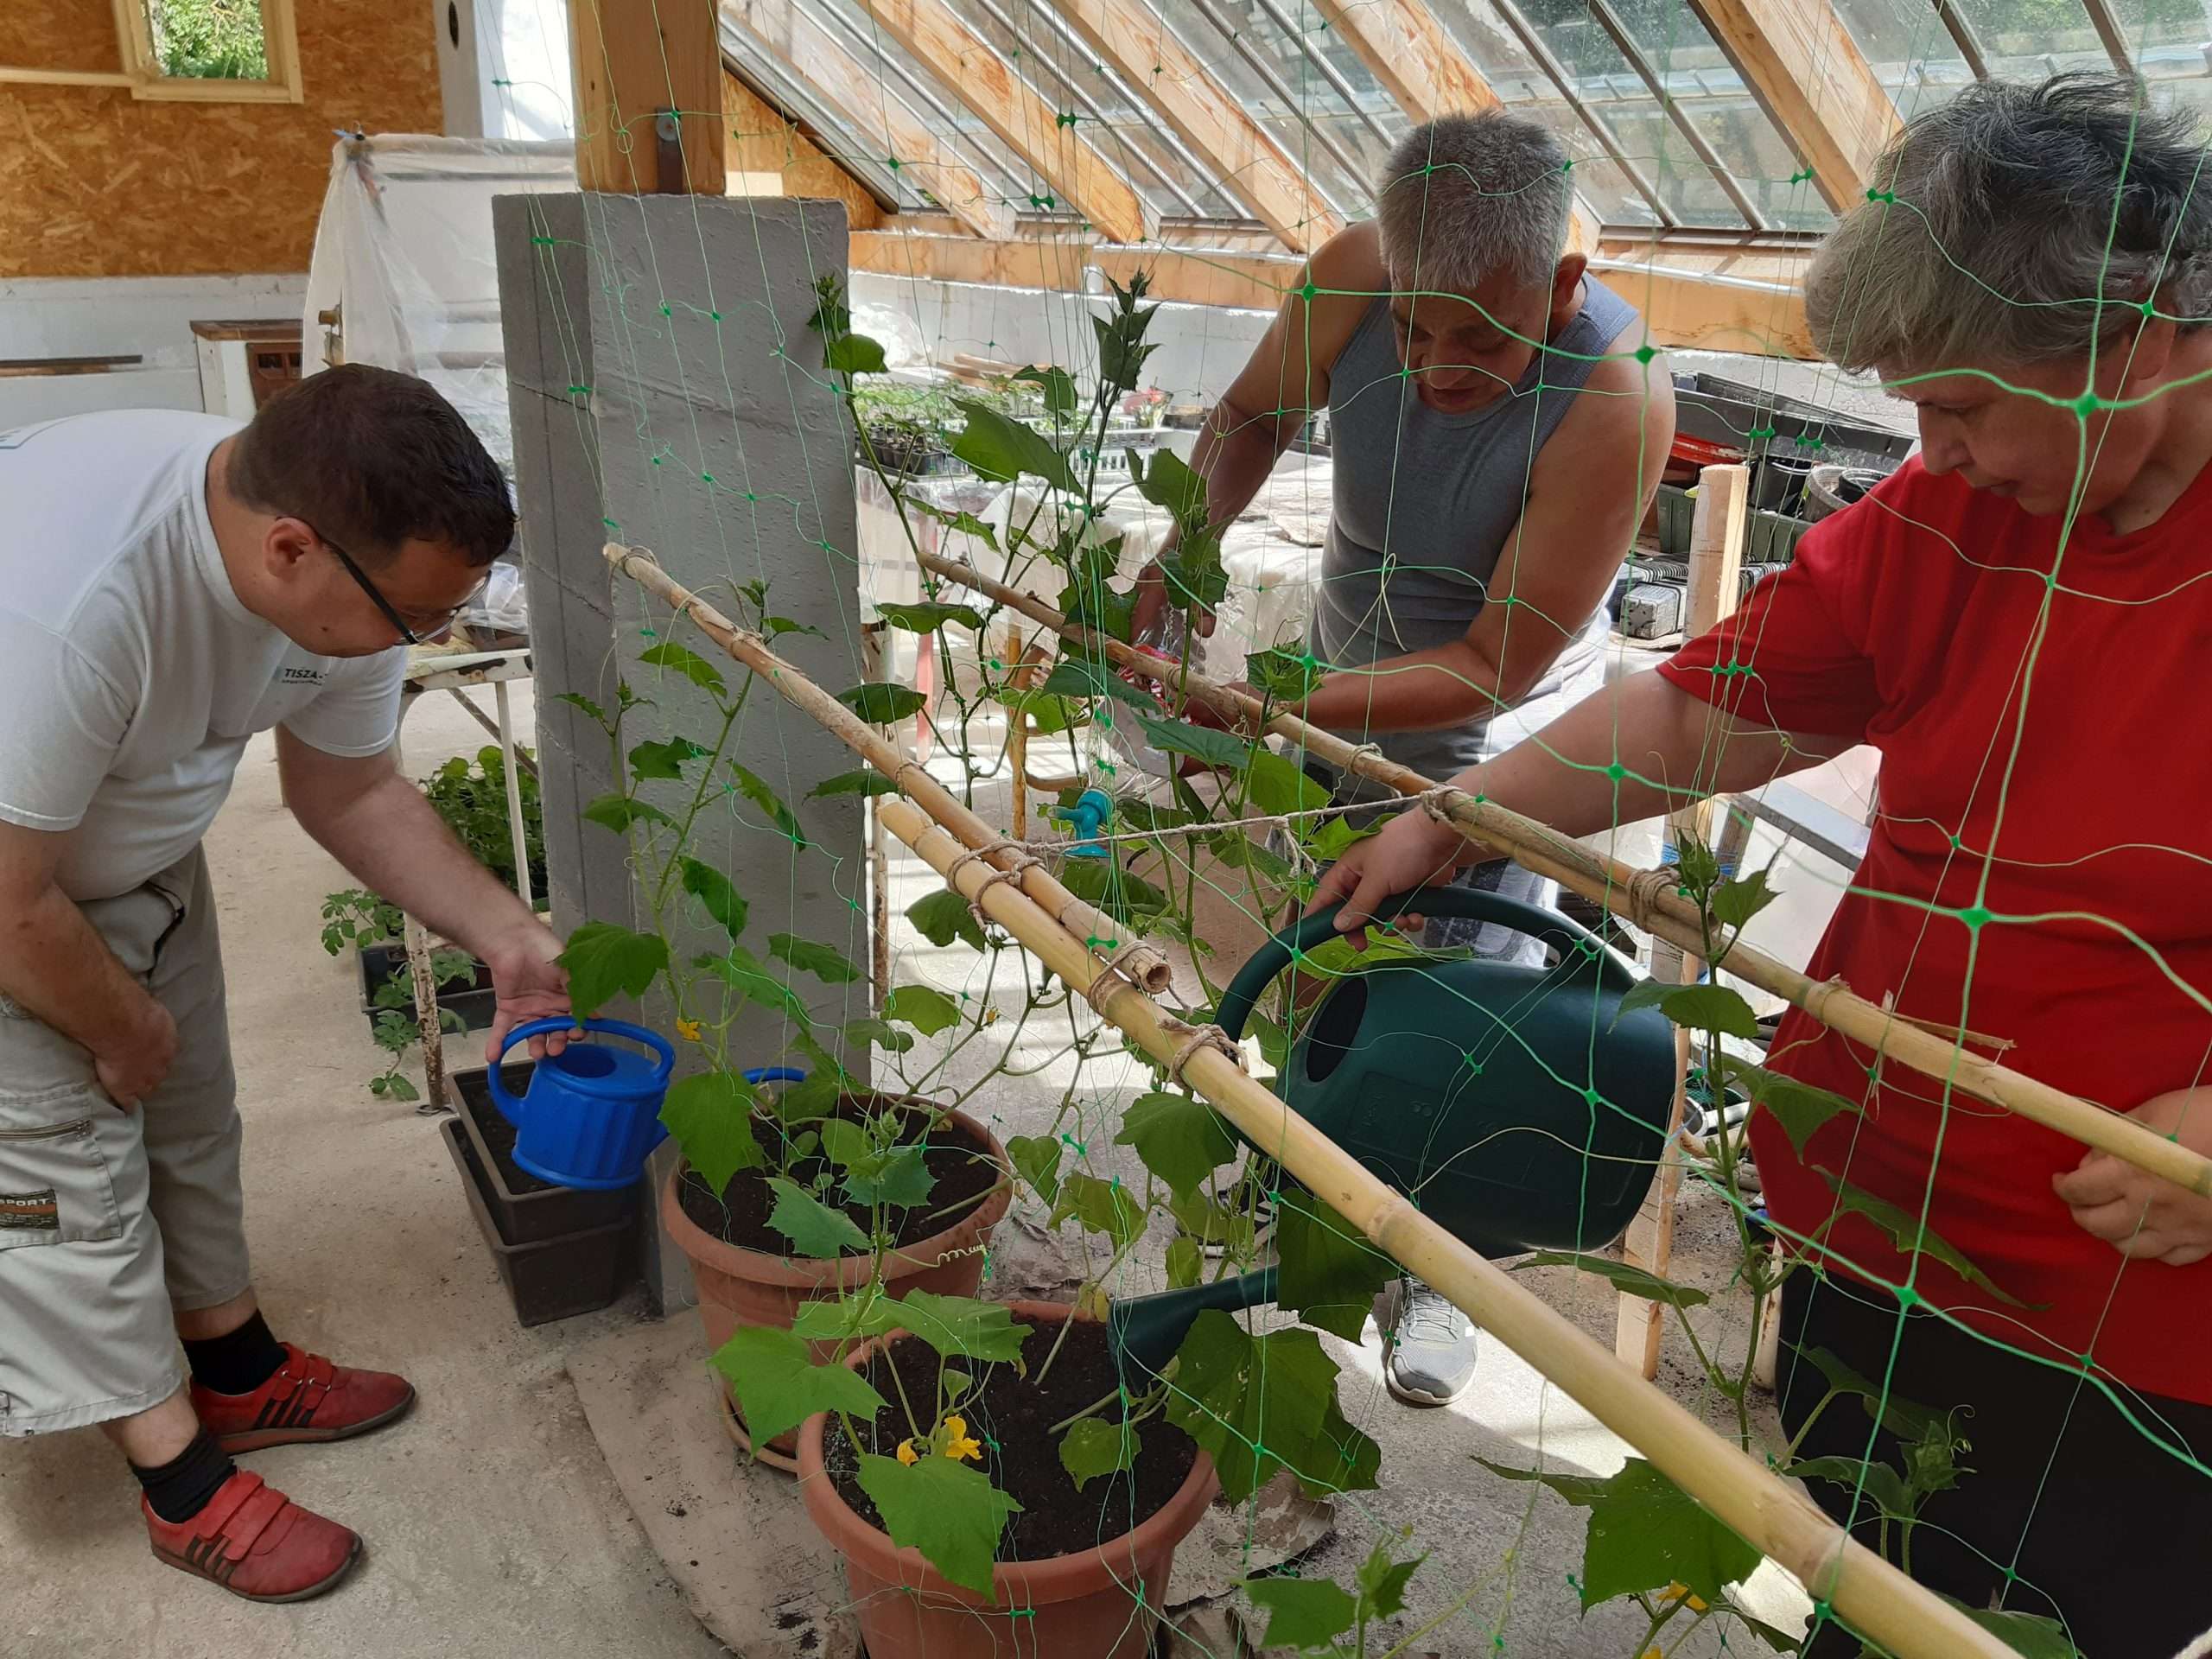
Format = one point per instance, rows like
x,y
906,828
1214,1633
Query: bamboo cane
x,y
1665,912
1142,962
1872,1597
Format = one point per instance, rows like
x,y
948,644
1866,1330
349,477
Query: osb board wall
x,y
762,142
95,183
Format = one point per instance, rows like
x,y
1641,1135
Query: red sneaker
x,y
308,1399
257,1543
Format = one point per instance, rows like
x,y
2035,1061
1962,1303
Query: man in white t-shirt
x,y
171,584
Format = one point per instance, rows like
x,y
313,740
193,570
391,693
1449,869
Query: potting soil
x,y
1015,1420
963,1167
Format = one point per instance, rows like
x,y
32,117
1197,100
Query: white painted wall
x,y
112,316
503,69
1201,347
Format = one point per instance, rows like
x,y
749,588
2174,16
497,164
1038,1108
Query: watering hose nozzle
x,y
1087,817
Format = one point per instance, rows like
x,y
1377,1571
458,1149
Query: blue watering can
x,y
591,1113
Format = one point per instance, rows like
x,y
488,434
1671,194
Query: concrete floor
x,y
494,1528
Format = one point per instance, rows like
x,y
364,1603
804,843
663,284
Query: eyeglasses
x,y
444,619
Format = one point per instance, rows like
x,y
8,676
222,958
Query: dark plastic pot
x,y
473,1004
554,1278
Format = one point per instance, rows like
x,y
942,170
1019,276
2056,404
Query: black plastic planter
x,y
555,1278
528,1211
474,1004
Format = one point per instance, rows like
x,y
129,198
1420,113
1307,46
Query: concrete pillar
x,y
666,392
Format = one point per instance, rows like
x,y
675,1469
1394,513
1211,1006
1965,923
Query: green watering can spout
x,y
1517,1106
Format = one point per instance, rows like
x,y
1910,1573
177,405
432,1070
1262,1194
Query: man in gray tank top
x,y
1497,429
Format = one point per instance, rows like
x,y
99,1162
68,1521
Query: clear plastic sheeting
x,y
404,257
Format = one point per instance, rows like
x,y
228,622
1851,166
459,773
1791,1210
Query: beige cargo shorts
x,y
108,1219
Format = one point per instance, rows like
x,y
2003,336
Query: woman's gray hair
x,y
1465,196
1997,222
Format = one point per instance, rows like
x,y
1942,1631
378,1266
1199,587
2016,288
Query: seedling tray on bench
x,y
555,1278
528,1211
473,1004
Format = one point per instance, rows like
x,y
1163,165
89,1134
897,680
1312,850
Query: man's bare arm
x,y
56,966
379,826
1285,379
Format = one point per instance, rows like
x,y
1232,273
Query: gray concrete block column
x,y
666,393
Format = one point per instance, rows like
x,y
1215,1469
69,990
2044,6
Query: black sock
x,y
180,1489
238,1363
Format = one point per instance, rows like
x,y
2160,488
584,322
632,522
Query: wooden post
x,y
1723,496
649,96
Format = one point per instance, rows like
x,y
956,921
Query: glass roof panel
x,y
898,73
1524,86
1073,87
1609,85
2170,41
1289,98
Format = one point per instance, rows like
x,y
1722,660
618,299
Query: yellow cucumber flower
x,y
956,1441
905,1451
688,1030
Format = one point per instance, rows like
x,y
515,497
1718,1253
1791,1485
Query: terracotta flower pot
x,y
1103,1603
739,1286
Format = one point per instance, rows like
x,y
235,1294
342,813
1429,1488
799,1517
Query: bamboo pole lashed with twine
x,y
1648,899
1872,1596
1007,859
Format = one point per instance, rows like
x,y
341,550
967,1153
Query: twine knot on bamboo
x,y
1194,1039
1023,861
1646,891
1103,985
1437,803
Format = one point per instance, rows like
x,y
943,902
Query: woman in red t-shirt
x,y
2021,621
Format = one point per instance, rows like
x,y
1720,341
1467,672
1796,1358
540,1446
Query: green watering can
x,y
1521,1108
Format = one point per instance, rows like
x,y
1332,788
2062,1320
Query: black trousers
x,y
2100,1528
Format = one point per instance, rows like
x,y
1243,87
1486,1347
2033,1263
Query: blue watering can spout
x,y
591,1115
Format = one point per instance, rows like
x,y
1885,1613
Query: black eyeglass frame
x,y
376,594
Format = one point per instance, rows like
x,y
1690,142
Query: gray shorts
x,y
110,1220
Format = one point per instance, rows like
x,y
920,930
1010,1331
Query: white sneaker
x,y
1428,1346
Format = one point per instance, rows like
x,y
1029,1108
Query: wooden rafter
x,y
1715,310
1408,50
1425,69
1245,159
640,70
1811,77
965,64
820,59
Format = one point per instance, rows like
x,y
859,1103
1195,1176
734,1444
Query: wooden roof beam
x,y
1683,308
1425,69
1810,74
810,52
967,67
1137,44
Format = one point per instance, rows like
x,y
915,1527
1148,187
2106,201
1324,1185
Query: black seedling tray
x,y
555,1278
474,1004
527,1209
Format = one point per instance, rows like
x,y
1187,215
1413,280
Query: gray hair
x,y
2017,224
1465,196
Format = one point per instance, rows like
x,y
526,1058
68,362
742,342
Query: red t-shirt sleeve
x,y
1795,656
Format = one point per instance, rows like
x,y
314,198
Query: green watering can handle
x,y
1314,931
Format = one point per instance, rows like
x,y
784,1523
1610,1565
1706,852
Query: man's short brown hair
x,y
372,459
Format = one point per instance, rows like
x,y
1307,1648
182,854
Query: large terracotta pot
x,y
741,1286
1103,1603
